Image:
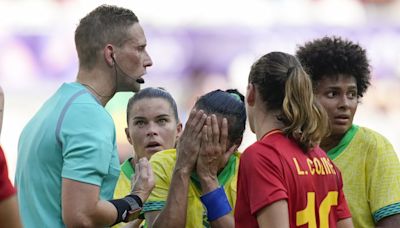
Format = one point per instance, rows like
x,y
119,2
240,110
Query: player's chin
x,y
136,87
340,130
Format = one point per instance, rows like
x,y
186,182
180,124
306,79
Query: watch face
x,y
133,214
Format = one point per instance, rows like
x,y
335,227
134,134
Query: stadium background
x,y
196,46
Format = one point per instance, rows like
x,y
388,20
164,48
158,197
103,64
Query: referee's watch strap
x,y
137,199
128,208
132,201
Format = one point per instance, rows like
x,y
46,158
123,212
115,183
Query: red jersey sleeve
x,y
263,171
6,188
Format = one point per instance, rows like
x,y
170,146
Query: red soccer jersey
x,y
6,188
275,168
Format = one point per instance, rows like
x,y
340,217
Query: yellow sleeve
x,y
122,189
383,181
162,164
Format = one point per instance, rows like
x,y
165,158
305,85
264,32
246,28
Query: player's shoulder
x,y
164,158
374,144
260,150
371,137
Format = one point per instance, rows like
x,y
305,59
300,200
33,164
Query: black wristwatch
x,y
135,204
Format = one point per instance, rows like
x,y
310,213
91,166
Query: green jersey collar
x,y
127,168
337,150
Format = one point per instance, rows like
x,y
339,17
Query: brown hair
x,y
105,24
284,86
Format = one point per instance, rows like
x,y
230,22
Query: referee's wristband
x,y
128,208
137,199
216,203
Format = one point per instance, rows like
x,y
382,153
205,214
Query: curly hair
x,y
331,56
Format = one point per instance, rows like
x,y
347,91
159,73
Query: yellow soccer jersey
x,y
123,187
371,175
163,164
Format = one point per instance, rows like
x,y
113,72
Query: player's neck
x,y
330,142
266,122
98,84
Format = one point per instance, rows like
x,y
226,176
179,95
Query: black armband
x,y
128,208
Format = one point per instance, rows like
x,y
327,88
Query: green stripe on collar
x,y
337,150
127,168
